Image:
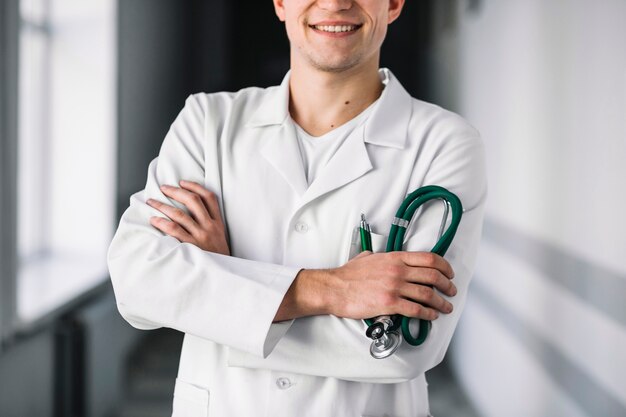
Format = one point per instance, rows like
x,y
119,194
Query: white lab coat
x,y
234,361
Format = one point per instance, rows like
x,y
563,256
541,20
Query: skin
x,y
333,78
203,227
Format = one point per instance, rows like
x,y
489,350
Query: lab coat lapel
x,y
350,162
281,150
277,135
387,126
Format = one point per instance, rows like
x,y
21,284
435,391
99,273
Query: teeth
x,y
336,28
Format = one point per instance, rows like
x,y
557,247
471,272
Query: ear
x,y
279,8
395,7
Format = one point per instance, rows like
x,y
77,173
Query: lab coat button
x,y
283,383
302,227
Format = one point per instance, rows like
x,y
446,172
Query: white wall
x,y
544,331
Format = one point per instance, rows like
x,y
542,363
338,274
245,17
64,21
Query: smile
x,y
336,28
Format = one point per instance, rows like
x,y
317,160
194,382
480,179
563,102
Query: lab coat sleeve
x,y
334,347
161,282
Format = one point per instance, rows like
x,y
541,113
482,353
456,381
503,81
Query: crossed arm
x,y
369,285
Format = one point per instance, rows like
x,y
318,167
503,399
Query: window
x,y
66,150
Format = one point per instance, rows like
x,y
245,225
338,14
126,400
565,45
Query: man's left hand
x,y
203,226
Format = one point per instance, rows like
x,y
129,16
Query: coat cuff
x,y
275,333
264,334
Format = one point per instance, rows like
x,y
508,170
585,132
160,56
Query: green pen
x,y
366,235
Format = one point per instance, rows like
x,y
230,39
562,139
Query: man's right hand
x,y
373,284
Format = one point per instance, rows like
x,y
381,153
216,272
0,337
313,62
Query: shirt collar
x,y
386,126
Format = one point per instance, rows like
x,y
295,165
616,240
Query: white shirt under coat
x,y
234,360
316,151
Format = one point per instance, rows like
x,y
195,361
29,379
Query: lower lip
x,y
336,34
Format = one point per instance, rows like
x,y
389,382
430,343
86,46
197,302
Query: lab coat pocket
x,y
379,243
190,400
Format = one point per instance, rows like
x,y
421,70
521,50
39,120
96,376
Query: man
x,y
252,257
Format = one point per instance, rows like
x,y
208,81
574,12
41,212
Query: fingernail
x,y
150,201
449,308
165,187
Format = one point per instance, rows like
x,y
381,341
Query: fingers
x,y
191,200
431,277
171,228
177,215
425,275
426,296
209,198
411,309
428,260
196,224
428,269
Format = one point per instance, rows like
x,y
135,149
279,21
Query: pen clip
x,y
366,234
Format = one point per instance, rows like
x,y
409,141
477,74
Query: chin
x,y
335,66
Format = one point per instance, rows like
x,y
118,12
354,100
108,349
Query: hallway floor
x,y
153,367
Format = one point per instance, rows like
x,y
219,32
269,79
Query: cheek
x,y
293,27
379,33
291,23
382,33
292,34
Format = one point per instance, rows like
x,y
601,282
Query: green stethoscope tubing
x,y
396,236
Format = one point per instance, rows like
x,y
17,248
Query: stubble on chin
x,y
326,65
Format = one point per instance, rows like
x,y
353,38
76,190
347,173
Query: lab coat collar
x,y
386,126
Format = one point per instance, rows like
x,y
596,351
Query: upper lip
x,y
335,23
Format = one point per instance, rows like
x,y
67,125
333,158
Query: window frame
x,y
9,54
12,327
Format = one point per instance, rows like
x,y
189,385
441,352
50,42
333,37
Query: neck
x,y
320,101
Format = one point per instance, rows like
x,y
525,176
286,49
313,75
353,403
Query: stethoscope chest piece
x,y
385,345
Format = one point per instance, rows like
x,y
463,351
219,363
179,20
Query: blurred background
x,y
88,90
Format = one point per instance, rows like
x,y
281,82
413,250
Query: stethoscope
x,y
383,330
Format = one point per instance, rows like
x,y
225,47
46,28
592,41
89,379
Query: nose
x,y
334,5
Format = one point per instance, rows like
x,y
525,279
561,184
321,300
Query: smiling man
x,y
244,236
